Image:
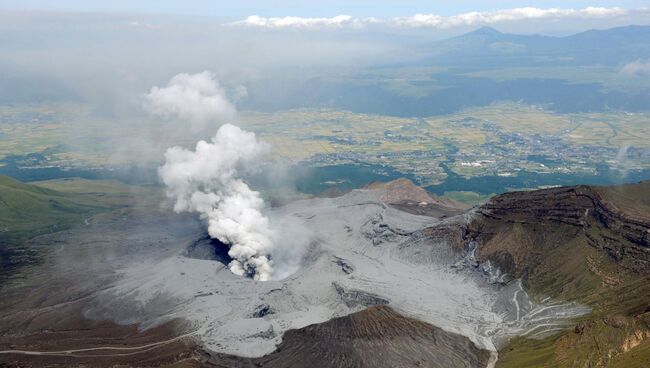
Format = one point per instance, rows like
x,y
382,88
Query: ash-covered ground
x,y
362,253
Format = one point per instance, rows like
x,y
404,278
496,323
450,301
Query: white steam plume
x,y
195,98
207,180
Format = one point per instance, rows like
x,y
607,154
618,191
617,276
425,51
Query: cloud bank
x,y
299,22
438,21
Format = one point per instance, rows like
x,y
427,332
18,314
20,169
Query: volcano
x,y
555,275
366,252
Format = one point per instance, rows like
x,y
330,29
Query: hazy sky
x,y
306,8
107,54
110,52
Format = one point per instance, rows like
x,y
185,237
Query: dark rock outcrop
x,y
346,266
262,311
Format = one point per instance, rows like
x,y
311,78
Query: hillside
x,y
383,287
404,195
584,244
375,337
28,210
606,47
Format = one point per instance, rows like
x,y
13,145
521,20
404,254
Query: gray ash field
x,y
363,253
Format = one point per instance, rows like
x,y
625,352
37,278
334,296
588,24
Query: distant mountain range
x,y
607,47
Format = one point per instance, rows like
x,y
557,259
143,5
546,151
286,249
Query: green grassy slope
x,y
616,332
580,262
29,210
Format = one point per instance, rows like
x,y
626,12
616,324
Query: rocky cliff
x,y
516,229
585,244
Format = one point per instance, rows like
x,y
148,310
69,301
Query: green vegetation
x,y
28,210
579,272
610,77
618,326
586,247
514,145
609,342
637,357
504,141
469,198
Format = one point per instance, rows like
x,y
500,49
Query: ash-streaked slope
x,y
588,244
363,253
376,337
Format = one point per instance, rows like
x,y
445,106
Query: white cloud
x,y
506,15
438,21
299,22
637,68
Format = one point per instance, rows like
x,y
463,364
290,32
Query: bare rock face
x,y
346,266
262,310
516,229
376,337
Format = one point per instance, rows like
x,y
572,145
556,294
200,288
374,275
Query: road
x,y
74,352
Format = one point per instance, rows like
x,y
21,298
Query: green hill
x,y
29,210
585,244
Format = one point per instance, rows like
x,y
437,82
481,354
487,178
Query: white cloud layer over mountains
x,y
438,21
638,68
300,22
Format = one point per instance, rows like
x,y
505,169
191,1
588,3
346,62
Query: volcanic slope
x,y
28,210
406,196
374,337
585,244
513,275
363,253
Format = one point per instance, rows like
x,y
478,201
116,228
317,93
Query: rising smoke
x,y
207,180
195,98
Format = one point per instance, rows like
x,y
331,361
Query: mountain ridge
x,y
488,45
587,244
